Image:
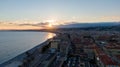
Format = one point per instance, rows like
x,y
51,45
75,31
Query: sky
x,y
55,12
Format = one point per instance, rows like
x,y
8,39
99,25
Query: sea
x,y
13,43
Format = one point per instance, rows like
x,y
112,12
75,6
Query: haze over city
x,y
36,14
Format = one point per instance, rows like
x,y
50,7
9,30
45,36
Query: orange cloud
x,y
16,27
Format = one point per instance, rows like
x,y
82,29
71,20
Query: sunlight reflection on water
x,y
50,35
15,43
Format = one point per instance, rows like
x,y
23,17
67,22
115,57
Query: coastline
x,y
19,58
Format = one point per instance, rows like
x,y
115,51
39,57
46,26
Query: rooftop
x,y
106,60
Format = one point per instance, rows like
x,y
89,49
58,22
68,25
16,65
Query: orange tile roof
x,y
105,59
112,47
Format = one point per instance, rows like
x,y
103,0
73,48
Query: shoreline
x,y
19,58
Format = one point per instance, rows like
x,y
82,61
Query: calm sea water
x,y
15,43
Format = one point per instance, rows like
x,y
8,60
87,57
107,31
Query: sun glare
x,y
50,25
51,21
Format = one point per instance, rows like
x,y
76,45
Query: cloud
x,y
110,18
42,24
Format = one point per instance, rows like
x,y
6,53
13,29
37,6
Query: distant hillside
x,y
100,28
108,26
84,25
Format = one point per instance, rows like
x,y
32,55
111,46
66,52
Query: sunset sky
x,y
26,14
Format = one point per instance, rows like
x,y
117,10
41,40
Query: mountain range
x,y
84,25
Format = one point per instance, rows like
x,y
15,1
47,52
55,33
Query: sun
x,y
49,25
